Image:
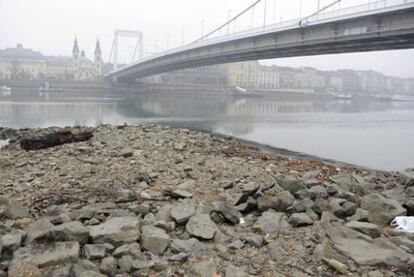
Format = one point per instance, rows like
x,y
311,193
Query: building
x,y
243,74
268,77
25,64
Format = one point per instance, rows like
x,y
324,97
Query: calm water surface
x,y
370,133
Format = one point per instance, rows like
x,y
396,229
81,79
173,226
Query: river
x,y
373,134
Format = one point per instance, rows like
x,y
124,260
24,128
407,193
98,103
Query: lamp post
x,y
264,16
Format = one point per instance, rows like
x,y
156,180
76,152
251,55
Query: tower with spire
x,y
98,58
75,49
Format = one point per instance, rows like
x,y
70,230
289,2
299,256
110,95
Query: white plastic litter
x,y
404,223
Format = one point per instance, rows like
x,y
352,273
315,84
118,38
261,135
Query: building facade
x,y
25,64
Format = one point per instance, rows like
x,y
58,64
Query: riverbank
x,y
154,200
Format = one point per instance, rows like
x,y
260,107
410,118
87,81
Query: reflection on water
x,y
376,134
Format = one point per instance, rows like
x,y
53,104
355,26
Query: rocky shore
x,y
159,201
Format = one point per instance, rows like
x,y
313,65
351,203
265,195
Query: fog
x,y
50,26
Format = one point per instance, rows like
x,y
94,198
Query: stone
x,y
90,273
202,269
125,264
201,226
248,190
108,266
255,240
228,212
51,254
24,269
381,210
289,183
269,223
116,231
359,215
249,206
133,249
192,246
366,228
285,201
75,231
267,202
94,251
276,251
12,209
300,219
409,205
154,239
303,205
181,213
11,241
43,231
232,271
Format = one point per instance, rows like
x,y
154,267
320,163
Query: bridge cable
x,y
229,21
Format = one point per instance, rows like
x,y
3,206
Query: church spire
x,y
98,52
75,49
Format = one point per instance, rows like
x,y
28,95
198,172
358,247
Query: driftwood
x,y
54,139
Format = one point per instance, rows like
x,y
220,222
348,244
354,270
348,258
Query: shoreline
x,y
155,200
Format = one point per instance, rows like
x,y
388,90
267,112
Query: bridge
x,y
380,25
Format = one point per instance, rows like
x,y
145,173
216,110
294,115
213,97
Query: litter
x,y
404,223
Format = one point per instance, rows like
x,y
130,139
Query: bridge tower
x,y
139,46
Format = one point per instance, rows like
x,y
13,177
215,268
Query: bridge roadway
x,y
355,29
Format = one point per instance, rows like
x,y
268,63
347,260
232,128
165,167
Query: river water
x,y
374,134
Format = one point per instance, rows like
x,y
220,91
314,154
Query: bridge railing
x,y
349,12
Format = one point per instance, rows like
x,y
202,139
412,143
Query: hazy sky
x,y
50,26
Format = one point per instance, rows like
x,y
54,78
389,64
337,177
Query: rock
x,y
90,273
249,206
201,226
125,264
12,209
228,212
181,194
192,246
181,213
154,239
132,249
409,205
24,269
43,231
280,203
300,219
289,183
46,255
360,215
255,240
366,228
321,205
116,231
74,231
276,251
94,251
270,222
11,241
203,269
366,251
303,205
179,145
232,271
248,190
108,266
381,210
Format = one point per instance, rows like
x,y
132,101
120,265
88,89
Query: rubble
x,y
154,200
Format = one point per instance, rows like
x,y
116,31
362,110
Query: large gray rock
x,y
366,251
232,271
75,231
202,269
300,219
43,231
154,239
108,266
366,228
11,241
289,183
48,254
381,210
133,249
116,231
94,251
280,203
182,212
10,208
271,222
228,212
201,226
192,246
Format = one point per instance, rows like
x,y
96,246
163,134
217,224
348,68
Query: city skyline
x,y
163,27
